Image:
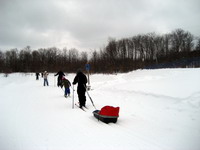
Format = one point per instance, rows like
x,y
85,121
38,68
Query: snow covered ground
x,y
159,110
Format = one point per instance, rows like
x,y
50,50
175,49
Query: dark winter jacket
x,y
66,83
60,74
81,79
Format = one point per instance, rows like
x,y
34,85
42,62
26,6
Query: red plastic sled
x,y
107,114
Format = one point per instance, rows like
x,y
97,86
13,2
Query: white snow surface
x,y
159,110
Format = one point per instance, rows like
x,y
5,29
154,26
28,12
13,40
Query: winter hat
x,y
79,70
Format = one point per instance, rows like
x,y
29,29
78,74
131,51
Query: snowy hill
x,y
159,110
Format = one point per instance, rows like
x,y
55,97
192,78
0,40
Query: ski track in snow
x,y
34,117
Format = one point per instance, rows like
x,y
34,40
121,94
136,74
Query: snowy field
x,y
159,110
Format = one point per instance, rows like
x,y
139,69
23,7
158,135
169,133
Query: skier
x,y
66,83
81,79
60,75
37,75
45,75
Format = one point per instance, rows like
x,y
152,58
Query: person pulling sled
x,y
81,79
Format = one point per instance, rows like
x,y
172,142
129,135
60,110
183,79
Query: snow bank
x,y
159,110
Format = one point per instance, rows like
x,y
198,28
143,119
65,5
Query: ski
x,y
67,96
85,107
79,107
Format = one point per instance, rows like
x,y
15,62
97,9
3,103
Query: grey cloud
x,y
87,24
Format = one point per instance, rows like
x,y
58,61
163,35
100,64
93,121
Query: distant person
x,y
45,75
37,75
81,79
66,83
60,74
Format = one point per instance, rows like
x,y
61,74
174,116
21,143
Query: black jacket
x,y
81,79
60,74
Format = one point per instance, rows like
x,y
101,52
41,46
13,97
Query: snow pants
x,y
67,91
81,97
59,83
46,82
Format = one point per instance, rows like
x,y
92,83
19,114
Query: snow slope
x,y
159,110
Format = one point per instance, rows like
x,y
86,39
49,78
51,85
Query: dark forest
x,y
123,55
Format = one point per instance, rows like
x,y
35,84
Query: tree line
x,y
121,55
50,59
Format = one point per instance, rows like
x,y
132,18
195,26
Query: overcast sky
x,y
87,24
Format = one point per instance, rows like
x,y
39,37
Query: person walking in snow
x,y
37,75
66,83
60,74
81,79
45,75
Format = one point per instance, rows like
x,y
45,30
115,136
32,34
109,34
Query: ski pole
x,y
73,98
89,97
54,81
